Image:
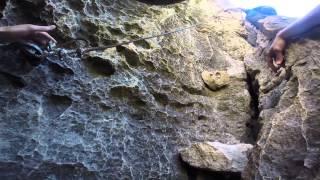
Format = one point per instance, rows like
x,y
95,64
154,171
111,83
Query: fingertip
x,y
279,62
47,36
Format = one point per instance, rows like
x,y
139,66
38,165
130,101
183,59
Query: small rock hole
x,y
201,117
99,66
131,56
14,81
55,105
56,68
218,75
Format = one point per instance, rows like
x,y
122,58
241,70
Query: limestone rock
x,y
215,80
125,112
288,144
217,157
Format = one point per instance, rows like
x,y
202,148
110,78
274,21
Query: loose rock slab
x,y
216,156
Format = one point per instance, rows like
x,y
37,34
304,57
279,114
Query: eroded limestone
x,y
217,157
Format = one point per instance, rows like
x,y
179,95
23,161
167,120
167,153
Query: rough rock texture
x,y
217,157
125,112
122,113
215,80
289,141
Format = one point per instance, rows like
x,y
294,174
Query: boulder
x,y
217,157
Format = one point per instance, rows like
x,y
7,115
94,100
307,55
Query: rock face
x,y
289,141
123,113
217,157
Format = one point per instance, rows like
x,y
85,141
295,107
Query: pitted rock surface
x,y
215,80
123,113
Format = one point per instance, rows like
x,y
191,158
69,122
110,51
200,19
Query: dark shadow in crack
x,y
55,105
195,174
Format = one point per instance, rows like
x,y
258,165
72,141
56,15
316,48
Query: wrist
x,y
6,35
281,34
3,34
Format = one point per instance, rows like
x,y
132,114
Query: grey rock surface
x,y
123,113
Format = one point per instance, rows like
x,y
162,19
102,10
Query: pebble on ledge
x,y
215,80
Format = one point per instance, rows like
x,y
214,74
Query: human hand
x,y
276,53
27,32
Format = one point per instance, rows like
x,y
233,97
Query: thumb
x,y
270,63
43,28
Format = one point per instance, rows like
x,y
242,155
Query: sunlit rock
x,y
215,80
217,157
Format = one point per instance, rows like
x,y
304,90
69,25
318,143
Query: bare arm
x,y
27,32
302,25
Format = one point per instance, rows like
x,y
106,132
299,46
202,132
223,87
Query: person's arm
x,y
27,32
302,25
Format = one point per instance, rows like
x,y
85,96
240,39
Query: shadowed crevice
x,y
253,125
55,105
14,81
99,67
196,174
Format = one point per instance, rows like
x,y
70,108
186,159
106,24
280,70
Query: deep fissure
x,y
253,125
